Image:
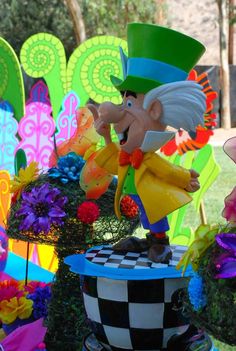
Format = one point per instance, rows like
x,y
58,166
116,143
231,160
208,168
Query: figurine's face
x,y
131,121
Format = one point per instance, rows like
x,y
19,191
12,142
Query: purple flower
x,y
226,263
41,297
40,208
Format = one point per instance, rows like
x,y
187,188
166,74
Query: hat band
x,y
154,70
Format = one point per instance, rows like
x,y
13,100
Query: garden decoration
x,y
153,98
51,208
62,179
184,141
86,73
132,290
210,298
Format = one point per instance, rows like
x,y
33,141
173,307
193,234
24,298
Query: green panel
x,y
90,67
20,161
209,170
43,55
11,80
203,162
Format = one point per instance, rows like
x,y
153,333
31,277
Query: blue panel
x,y
16,265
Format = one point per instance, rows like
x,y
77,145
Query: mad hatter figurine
x,y
155,95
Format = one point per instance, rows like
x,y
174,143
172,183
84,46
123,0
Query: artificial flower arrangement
x,y
70,206
20,304
211,296
46,202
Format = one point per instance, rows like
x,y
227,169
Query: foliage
x,y
218,317
21,19
104,16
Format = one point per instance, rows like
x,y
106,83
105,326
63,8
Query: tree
x,y
111,17
232,20
21,19
224,66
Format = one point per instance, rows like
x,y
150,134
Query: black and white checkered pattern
x,y
109,258
133,314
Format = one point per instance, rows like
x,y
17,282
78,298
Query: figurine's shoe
x,y
132,244
159,251
191,340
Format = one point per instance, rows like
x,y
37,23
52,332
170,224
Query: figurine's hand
x,y
101,127
194,182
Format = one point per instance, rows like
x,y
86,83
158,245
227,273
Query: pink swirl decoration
x,y
36,129
66,121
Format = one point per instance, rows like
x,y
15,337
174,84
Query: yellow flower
x,y
25,177
204,237
15,308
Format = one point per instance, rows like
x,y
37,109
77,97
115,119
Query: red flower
x,y
88,212
10,289
128,207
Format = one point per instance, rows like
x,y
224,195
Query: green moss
x,y
218,317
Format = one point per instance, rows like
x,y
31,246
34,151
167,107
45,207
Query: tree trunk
x,y
77,19
231,32
225,78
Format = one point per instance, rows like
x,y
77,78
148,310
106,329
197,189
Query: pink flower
x,y
10,289
229,211
31,286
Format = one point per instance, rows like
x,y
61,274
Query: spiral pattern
x,y
40,53
43,55
92,64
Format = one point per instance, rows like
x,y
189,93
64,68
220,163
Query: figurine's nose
x,y
110,113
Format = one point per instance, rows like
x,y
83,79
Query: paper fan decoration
x,y
185,141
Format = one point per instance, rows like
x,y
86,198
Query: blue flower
x,y
41,297
196,292
68,168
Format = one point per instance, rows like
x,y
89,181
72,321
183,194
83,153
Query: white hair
x,y
183,104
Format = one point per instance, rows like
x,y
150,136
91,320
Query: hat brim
x,y
136,84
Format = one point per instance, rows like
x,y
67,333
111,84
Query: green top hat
x,y
156,56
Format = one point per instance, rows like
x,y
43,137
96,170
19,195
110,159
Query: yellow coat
x,y
159,183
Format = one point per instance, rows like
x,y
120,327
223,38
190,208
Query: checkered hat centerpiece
x,y
133,314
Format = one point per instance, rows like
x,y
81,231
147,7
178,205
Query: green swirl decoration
x,y
11,80
43,55
90,67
